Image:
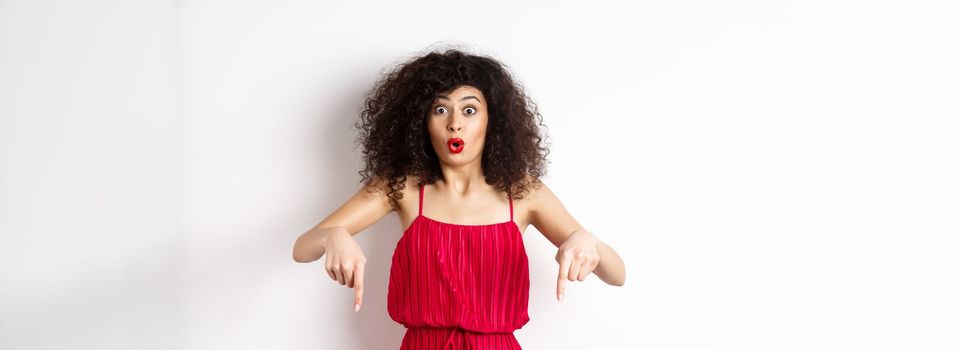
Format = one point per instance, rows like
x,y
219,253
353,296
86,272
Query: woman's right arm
x,y
366,207
333,236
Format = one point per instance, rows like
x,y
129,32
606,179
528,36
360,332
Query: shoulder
x,y
377,189
377,185
380,188
534,187
542,201
408,194
533,197
411,186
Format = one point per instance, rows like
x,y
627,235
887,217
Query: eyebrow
x,y
462,98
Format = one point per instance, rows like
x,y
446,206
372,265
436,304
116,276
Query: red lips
x,y
455,145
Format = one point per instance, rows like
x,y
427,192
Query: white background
x,y
775,174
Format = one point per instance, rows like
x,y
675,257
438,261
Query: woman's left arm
x,y
579,251
611,267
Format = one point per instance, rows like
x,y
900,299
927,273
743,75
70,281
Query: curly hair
x,y
393,124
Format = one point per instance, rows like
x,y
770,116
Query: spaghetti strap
x,y
512,206
420,201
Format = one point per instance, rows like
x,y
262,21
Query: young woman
x,y
451,144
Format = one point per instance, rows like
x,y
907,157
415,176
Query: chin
x,y
459,158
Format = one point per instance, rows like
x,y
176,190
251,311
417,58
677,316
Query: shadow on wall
x,y
342,163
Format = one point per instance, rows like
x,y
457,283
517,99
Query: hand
x,y
345,262
577,257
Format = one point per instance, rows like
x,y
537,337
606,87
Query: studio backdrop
x,y
775,174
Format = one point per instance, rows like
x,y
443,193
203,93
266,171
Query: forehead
x,y
461,93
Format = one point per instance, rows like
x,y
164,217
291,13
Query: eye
x,y
470,110
440,110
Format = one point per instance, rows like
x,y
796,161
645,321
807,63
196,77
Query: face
x,y
457,123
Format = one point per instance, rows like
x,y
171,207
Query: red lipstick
x,y
455,145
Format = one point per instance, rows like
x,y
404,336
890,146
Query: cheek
x,y
435,129
480,132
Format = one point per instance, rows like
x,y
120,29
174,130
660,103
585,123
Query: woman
x,y
451,144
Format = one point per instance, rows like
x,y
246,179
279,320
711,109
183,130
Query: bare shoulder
x,y
376,190
549,215
380,188
407,205
531,198
523,206
409,193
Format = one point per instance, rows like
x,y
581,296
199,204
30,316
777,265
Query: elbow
x,y
617,282
620,280
310,246
301,255
297,257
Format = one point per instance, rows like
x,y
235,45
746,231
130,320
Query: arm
x,y
345,261
550,217
368,205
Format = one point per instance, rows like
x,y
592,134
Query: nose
x,y
454,126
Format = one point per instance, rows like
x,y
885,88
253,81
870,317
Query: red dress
x,y
459,286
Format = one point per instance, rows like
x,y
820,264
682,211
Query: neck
x,y
460,179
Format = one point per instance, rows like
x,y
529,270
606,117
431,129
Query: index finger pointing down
x,y
358,286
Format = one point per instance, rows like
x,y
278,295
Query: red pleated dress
x,y
459,286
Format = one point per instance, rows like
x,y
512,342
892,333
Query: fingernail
x,y
356,307
562,297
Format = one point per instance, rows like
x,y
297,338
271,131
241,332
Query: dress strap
x,y
420,201
511,200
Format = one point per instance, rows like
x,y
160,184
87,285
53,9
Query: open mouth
x,y
455,145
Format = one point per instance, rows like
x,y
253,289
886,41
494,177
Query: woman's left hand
x,y
577,257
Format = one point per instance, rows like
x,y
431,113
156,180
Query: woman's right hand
x,y
345,262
